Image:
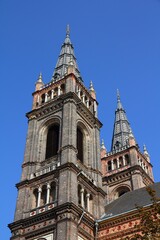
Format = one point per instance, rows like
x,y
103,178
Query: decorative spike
x,y
131,134
119,104
68,31
39,82
71,61
40,78
92,91
91,88
102,145
118,95
145,150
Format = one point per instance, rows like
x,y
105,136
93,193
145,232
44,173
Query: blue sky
x,y
117,45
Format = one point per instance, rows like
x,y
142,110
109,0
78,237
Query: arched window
x,y
120,191
43,98
35,198
43,196
127,160
80,145
109,166
115,164
52,141
53,192
120,162
79,194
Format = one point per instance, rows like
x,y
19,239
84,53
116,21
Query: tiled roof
x,y
129,201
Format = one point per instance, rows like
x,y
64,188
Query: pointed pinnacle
x,y
145,150
118,95
68,31
71,61
102,145
91,88
67,39
130,133
119,104
40,78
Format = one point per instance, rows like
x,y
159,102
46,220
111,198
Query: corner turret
x,y
39,83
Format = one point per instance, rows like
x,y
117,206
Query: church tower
x,y
60,193
125,168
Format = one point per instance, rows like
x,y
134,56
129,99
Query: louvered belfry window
x,y
52,141
80,145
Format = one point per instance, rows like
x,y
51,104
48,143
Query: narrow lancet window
x,y
80,145
52,141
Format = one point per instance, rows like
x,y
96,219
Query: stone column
x,y
46,97
112,166
56,192
39,196
48,193
88,204
59,90
83,98
87,103
124,162
79,93
52,93
82,197
117,162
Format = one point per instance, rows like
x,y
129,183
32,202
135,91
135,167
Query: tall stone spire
x,y
66,55
122,129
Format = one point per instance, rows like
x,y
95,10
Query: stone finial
x,y
39,82
71,61
145,152
91,86
118,95
102,145
92,91
119,104
131,134
67,31
40,78
131,140
71,67
103,149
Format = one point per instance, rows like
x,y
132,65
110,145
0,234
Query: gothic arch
x,y
86,141
43,135
35,198
119,191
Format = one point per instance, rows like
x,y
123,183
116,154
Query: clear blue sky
x,y
117,45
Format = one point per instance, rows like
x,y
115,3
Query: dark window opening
x,y
122,190
52,141
43,98
127,159
80,145
109,166
121,193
